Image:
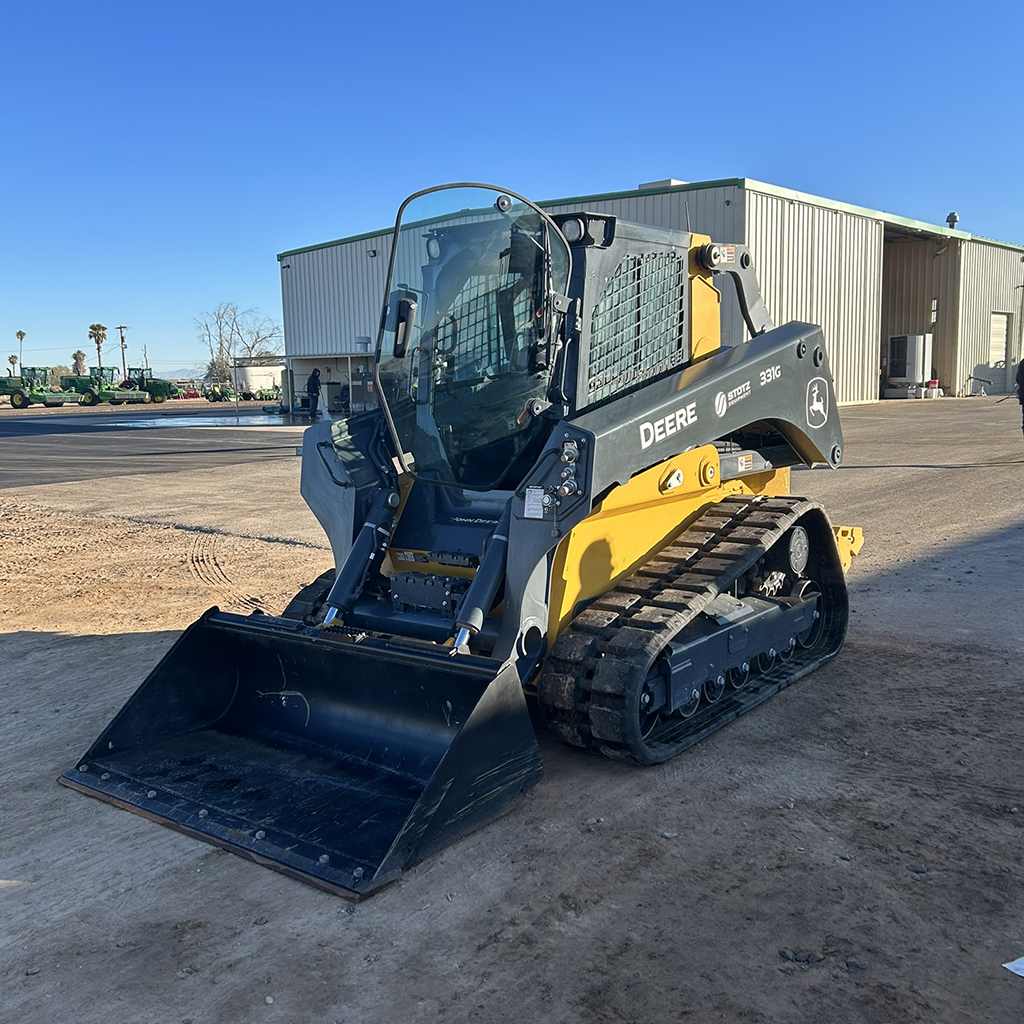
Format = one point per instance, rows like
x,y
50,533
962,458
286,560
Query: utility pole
x,y
124,366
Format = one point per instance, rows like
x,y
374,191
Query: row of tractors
x,y
219,392
32,387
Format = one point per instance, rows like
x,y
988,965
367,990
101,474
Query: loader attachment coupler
x,y
336,760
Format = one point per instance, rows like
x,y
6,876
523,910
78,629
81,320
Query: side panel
x,y
781,378
328,489
637,520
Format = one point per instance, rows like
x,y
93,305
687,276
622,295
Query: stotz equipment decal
x,y
726,400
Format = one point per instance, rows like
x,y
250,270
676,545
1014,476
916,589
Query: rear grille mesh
x,y
638,328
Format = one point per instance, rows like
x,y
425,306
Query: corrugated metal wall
x,y
818,265
988,285
823,266
332,295
916,273
815,263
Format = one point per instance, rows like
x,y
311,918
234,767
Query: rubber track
x,y
597,666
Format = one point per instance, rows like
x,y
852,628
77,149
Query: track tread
x,y
600,660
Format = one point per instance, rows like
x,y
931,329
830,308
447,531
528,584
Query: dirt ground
x,y
851,851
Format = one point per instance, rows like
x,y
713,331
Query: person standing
x,y
313,390
1020,391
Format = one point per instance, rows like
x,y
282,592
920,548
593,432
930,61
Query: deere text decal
x,y
652,431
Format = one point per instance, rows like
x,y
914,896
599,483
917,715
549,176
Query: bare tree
x,y
98,335
230,333
258,336
78,358
215,333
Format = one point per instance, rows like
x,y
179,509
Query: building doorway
x,y
1000,355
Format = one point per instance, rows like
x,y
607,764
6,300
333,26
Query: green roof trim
x,y
856,211
748,184
996,241
383,233
690,186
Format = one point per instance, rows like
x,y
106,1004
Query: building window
x,y
935,312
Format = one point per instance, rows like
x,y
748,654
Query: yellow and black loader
x,y
571,494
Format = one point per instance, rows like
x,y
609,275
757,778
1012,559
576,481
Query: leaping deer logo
x,y
817,399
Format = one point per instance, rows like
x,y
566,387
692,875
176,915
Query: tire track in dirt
x,y
206,567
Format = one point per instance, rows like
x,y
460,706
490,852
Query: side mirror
x,y
405,320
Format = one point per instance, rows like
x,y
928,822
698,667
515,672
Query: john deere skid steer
x,y
571,494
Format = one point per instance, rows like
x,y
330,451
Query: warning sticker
x,y
534,503
744,463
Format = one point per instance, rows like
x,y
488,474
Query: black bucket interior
x,y
338,762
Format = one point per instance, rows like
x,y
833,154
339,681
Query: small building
x,y
863,275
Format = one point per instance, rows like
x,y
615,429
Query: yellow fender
x,y
849,540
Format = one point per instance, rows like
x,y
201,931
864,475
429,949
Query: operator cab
x,y
467,348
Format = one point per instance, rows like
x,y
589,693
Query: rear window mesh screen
x,y
472,327
638,328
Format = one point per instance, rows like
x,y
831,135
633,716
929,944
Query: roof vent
x,y
952,218
664,183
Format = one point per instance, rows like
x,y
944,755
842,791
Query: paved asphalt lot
x,y
50,447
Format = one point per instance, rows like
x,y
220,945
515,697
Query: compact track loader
x,y
571,494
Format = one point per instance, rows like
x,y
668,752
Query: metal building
x,y
862,274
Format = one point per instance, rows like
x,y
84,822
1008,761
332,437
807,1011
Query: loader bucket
x,y
334,760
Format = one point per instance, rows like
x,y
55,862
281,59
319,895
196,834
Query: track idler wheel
x,y
714,688
645,730
739,676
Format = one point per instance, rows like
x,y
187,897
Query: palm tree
x,y
13,360
78,360
20,335
98,335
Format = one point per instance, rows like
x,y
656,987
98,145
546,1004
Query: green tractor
x,y
33,387
217,392
100,386
88,386
140,378
269,394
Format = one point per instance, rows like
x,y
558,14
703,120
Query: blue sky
x,y
158,157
